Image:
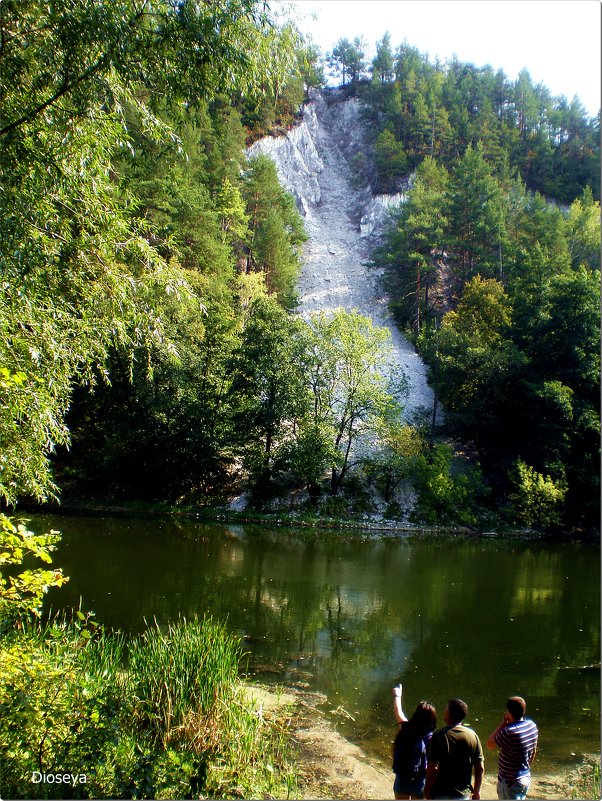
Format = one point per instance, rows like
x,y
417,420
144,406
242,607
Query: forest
x,y
149,349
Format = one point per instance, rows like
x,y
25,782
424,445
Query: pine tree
x,y
476,219
382,63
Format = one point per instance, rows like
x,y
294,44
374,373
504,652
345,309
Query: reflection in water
x,y
481,619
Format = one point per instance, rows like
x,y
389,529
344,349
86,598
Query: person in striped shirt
x,y
516,737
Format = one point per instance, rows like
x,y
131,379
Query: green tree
x,y
311,66
348,59
23,593
398,446
476,219
448,491
414,247
477,362
276,229
583,231
268,391
537,244
382,63
233,217
350,396
391,162
537,500
79,274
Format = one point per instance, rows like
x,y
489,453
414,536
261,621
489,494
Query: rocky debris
x,y
377,211
297,159
342,222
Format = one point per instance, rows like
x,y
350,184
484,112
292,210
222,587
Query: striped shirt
x,y
517,742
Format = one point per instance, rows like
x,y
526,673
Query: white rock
x,y
312,164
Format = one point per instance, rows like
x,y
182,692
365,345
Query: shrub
x,y
537,500
447,493
162,715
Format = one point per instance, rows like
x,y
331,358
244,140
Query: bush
x,y
162,715
448,493
537,500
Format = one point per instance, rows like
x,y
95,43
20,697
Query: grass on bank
x,y
161,715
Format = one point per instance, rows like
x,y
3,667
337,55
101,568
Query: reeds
x,y
161,714
179,673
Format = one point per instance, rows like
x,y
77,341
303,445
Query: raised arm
x,y
491,743
397,707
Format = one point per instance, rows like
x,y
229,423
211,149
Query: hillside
x,y
343,222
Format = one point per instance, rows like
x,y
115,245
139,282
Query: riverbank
x,y
369,525
331,767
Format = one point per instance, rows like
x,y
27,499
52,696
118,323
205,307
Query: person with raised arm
x,y
411,746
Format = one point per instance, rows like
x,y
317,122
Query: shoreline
x,y
218,514
329,766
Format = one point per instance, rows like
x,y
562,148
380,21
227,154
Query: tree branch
x,y
67,86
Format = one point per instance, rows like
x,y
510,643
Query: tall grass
x,y
181,673
160,715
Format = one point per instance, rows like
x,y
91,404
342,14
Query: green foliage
x,y
348,59
448,493
583,231
382,63
311,455
501,288
394,461
268,391
441,110
159,716
310,66
391,162
122,152
276,230
474,354
414,246
23,592
82,269
349,397
476,219
537,500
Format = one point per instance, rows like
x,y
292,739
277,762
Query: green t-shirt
x,y
456,749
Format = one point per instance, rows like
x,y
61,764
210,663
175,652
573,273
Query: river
x,y
479,618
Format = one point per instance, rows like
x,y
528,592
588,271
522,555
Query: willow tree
x,y
78,272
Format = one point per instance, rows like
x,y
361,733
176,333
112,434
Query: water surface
x,y
477,618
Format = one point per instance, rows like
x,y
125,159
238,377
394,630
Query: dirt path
x,y
331,767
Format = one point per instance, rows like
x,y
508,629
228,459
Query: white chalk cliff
x,y
342,222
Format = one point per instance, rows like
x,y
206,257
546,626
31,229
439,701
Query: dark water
x,y
475,618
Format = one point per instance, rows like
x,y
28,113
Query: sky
x,y
557,41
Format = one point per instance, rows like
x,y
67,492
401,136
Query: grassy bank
x,y
161,715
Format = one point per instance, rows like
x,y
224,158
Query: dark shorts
x,y
413,787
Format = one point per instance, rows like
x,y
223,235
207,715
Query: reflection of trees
x,y
483,619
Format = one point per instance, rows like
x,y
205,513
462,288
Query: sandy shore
x,y
331,767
